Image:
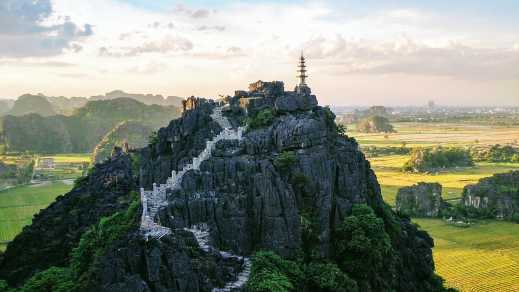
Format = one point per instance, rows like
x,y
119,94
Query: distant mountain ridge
x,y
32,104
83,129
144,98
52,105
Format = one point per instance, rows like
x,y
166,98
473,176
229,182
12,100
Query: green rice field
x,y
483,257
19,204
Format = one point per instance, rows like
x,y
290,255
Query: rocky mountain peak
x,y
265,169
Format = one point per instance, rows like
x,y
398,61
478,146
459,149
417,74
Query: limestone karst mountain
x,y
84,129
134,133
32,104
148,99
266,169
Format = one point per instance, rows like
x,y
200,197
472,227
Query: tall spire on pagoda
x,y
302,71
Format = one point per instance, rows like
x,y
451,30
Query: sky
x,y
358,52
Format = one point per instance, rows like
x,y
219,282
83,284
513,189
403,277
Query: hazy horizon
x,y
399,53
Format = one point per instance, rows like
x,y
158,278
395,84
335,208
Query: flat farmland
x,y
432,134
483,257
390,176
18,205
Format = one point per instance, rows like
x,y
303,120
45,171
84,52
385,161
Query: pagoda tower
x,y
302,88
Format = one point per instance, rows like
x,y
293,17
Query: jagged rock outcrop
x,y
174,263
56,230
420,200
497,195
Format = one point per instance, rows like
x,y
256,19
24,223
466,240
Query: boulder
x,y
420,200
291,102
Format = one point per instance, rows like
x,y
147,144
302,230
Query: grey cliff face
x,y
251,204
421,200
498,194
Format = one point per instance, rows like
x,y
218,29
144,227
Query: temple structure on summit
x,y
302,88
272,94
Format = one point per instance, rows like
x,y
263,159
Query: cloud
x,y
169,44
200,13
149,68
28,30
211,28
221,54
405,56
19,63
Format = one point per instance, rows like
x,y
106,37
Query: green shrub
x,y
53,279
97,238
270,272
327,277
285,160
153,138
515,217
341,130
3,286
262,119
363,248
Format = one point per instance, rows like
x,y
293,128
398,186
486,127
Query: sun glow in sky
x,y
358,53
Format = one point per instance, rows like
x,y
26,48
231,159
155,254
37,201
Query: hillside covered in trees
x,y
81,131
375,124
32,104
134,133
434,159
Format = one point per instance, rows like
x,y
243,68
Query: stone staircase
x,y
156,198
201,233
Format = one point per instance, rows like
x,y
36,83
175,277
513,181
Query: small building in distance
x,y
46,163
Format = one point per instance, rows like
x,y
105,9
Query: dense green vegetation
x,y
374,124
374,151
271,273
82,264
433,159
262,118
364,259
98,238
81,131
495,153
